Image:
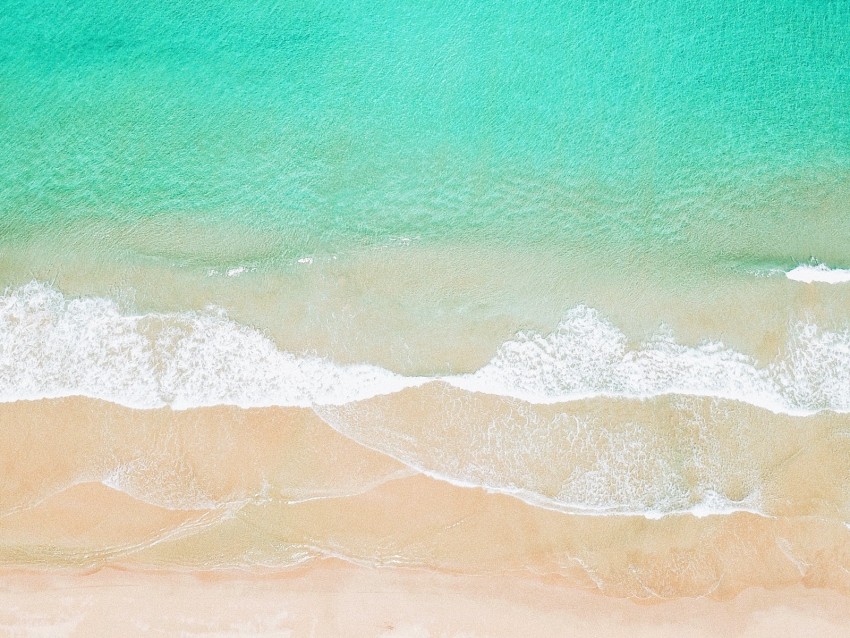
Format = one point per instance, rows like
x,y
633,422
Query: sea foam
x,y
53,346
587,356
820,273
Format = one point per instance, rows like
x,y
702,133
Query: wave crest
x,y
52,346
587,356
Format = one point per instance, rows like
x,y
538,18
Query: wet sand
x,y
224,522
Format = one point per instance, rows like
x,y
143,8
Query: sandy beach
x,y
425,319
332,598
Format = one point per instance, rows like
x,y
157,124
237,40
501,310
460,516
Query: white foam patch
x,y
586,356
52,346
239,270
820,273
231,272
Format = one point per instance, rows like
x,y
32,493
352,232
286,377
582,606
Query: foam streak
x,y
52,346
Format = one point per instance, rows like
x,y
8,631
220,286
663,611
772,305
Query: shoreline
x,y
104,485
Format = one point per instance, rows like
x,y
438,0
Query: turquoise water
x,y
694,133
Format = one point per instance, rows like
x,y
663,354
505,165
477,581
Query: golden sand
x,y
221,521
331,599
223,488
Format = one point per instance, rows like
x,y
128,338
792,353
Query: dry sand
x,y
332,598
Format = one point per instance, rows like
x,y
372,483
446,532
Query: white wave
x,y
820,273
53,346
586,356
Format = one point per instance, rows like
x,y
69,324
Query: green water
x,y
693,133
